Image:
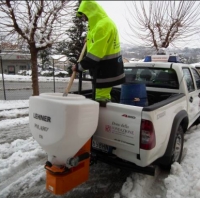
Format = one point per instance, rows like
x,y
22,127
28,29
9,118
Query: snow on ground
x,y
13,104
24,159
8,77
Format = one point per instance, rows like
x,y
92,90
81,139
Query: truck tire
x,y
177,150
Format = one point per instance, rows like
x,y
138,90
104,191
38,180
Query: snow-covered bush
x,y
22,72
57,73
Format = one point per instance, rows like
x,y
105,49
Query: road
x,y
22,90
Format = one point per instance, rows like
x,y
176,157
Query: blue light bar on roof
x,y
147,59
174,59
162,58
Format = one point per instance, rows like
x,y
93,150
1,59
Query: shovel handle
x,y
74,72
82,53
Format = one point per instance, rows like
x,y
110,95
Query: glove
x,y
75,67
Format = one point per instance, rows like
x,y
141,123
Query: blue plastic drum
x,y
129,91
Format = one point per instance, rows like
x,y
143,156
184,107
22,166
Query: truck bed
x,y
153,97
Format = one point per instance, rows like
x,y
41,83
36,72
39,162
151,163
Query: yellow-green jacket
x,y
103,47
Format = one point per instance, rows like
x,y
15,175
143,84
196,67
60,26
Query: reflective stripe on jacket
x,y
103,46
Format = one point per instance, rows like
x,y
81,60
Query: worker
x,y
103,50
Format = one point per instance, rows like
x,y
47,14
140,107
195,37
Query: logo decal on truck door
x,y
128,116
108,128
160,115
119,129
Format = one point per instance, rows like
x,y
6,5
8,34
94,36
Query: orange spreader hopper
x,y
60,180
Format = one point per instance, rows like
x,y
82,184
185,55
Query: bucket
x,y
129,91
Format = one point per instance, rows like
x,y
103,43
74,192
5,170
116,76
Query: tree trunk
x,y
34,67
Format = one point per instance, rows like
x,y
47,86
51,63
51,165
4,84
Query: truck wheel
x,y
177,149
178,146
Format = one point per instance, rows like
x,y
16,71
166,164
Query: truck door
x,y
119,126
193,98
197,86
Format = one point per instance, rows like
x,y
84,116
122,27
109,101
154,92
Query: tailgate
x,y
119,126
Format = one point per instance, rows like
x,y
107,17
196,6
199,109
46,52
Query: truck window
x,y
130,74
197,78
198,68
152,77
188,79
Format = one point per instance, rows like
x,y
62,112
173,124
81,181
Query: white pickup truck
x,y
140,137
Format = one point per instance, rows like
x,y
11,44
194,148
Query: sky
x,y
117,10
22,172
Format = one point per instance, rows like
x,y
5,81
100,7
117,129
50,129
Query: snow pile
x,y
184,180
18,160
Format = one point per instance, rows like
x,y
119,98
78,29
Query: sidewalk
x,y
13,104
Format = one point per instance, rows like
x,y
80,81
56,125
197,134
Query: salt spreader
x,y
63,127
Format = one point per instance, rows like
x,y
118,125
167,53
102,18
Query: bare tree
x,y
160,23
39,23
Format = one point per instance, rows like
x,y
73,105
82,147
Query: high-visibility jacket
x,y
103,46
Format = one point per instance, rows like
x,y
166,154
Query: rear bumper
x,y
119,163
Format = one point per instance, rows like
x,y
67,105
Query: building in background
x,y
14,62
60,61
13,58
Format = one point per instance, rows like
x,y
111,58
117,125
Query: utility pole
x,y
54,77
2,71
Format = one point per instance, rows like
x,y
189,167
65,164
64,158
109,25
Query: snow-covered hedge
x,y
57,73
